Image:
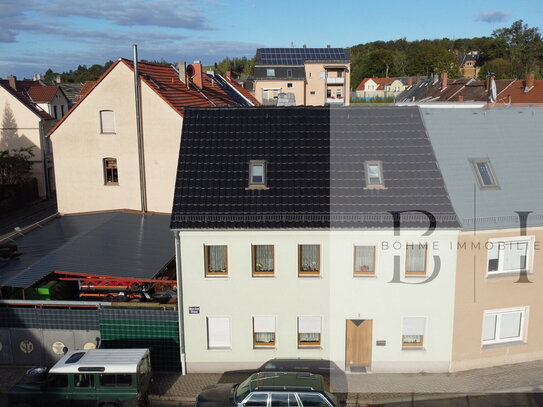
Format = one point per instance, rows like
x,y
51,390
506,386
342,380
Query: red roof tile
x,y
242,90
516,93
42,94
22,95
87,87
379,81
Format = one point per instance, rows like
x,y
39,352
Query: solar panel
x,y
297,56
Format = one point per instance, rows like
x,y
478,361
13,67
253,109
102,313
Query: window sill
x,y
256,275
111,184
108,132
264,347
309,347
308,275
413,348
498,345
364,275
498,274
416,275
219,349
375,187
213,276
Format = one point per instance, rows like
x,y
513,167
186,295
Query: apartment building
x,y
315,76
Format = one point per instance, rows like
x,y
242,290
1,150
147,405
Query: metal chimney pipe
x,y
139,131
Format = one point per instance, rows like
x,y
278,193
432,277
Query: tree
x,y
525,47
500,67
16,167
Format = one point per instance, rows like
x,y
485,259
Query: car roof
x,y
287,381
100,360
297,364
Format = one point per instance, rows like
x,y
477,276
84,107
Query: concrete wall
x,y
477,292
336,295
79,149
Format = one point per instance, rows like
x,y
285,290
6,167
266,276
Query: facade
x,y
96,144
498,305
304,242
316,76
24,124
52,99
470,65
371,88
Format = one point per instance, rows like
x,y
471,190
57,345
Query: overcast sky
x,y
36,35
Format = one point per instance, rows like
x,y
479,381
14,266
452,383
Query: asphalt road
x,y
4,403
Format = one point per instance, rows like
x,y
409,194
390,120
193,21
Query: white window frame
x,y
257,330
104,130
508,240
252,164
379,164
499,313
219,347
270,71
495,184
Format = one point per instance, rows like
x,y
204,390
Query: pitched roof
x,y
22,95
379,81
511,140
42,94
243,91
86,88
298,56
84,243
315,168
164,80
516,93
71,90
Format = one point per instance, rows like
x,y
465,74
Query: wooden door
x,y
358,345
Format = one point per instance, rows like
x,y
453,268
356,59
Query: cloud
x,y
186,14
492,16
12,14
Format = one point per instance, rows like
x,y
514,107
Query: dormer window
x,y
270,72
374,174
484,173
257,173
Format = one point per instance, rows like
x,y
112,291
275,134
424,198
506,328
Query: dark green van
x,y
88,378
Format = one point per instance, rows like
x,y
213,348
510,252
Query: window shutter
x,y
414,325
264,324
307,325
107,121
218,332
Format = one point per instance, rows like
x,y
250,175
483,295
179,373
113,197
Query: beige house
x,y
315,76
371,88
24,124
99,164
498,302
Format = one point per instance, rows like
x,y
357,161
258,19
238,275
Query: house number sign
x,y
194,310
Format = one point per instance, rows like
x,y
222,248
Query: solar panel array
x,y
297,56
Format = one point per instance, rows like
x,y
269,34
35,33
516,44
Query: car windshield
x,y
243,390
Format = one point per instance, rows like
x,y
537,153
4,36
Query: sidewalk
x,y
362,389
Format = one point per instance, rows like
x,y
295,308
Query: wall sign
x,y
380,343
194,310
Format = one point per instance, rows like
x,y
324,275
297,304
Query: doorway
x,y
358,340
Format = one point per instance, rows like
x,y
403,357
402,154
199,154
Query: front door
x,y
358,345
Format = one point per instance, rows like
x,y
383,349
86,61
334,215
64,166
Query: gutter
x,y
180,307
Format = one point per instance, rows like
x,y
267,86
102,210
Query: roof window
x,y
374,174
484,173
257,174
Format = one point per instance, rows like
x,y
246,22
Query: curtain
x,y
364,259
415,258
264,258
216,259
264,337
309,258
309,337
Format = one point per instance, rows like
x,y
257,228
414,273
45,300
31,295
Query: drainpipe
x,y
139,132
180,306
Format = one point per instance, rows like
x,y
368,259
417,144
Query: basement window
x,y
484,173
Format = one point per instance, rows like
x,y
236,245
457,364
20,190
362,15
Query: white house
x,y
286,246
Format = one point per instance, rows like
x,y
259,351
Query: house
x,y
286,240
371,88
490,160
102,163
316,76
470,64
25,123
52,99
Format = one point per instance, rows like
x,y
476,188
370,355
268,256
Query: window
x,y
57,380
263,260
115,380
329,92
83,380
413,332
322,75
289,73
257,400
289,85
312,92
374,174
55,111
264,332
309,331
415,258
508,256
257,173
313,400
340,74
111,175
270,72
62,110
484,173
500,326
308,259
269,96
216,261
339,92
283,400
310,74
107,121
364,260
218,332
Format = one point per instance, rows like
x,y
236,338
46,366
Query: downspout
x,y
43,142
139,132
180,306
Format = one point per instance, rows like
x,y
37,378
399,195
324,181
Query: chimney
x,y
196,75
409,81
228,75
328,46
12,82
305,46
530,81
444,80
182,68
461,98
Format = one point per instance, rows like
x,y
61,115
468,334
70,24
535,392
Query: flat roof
x,y
111,360
115,244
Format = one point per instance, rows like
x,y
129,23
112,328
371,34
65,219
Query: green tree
x,y
15,166
500,67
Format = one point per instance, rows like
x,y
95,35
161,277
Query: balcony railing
x,y
269,102
335,81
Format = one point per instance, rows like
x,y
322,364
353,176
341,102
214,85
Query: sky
x,y
37,35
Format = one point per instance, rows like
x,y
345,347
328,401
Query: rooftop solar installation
x,y
297,56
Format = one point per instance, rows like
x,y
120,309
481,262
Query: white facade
x,y
336,295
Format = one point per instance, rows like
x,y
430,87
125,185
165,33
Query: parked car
x,y
97,377
275,389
